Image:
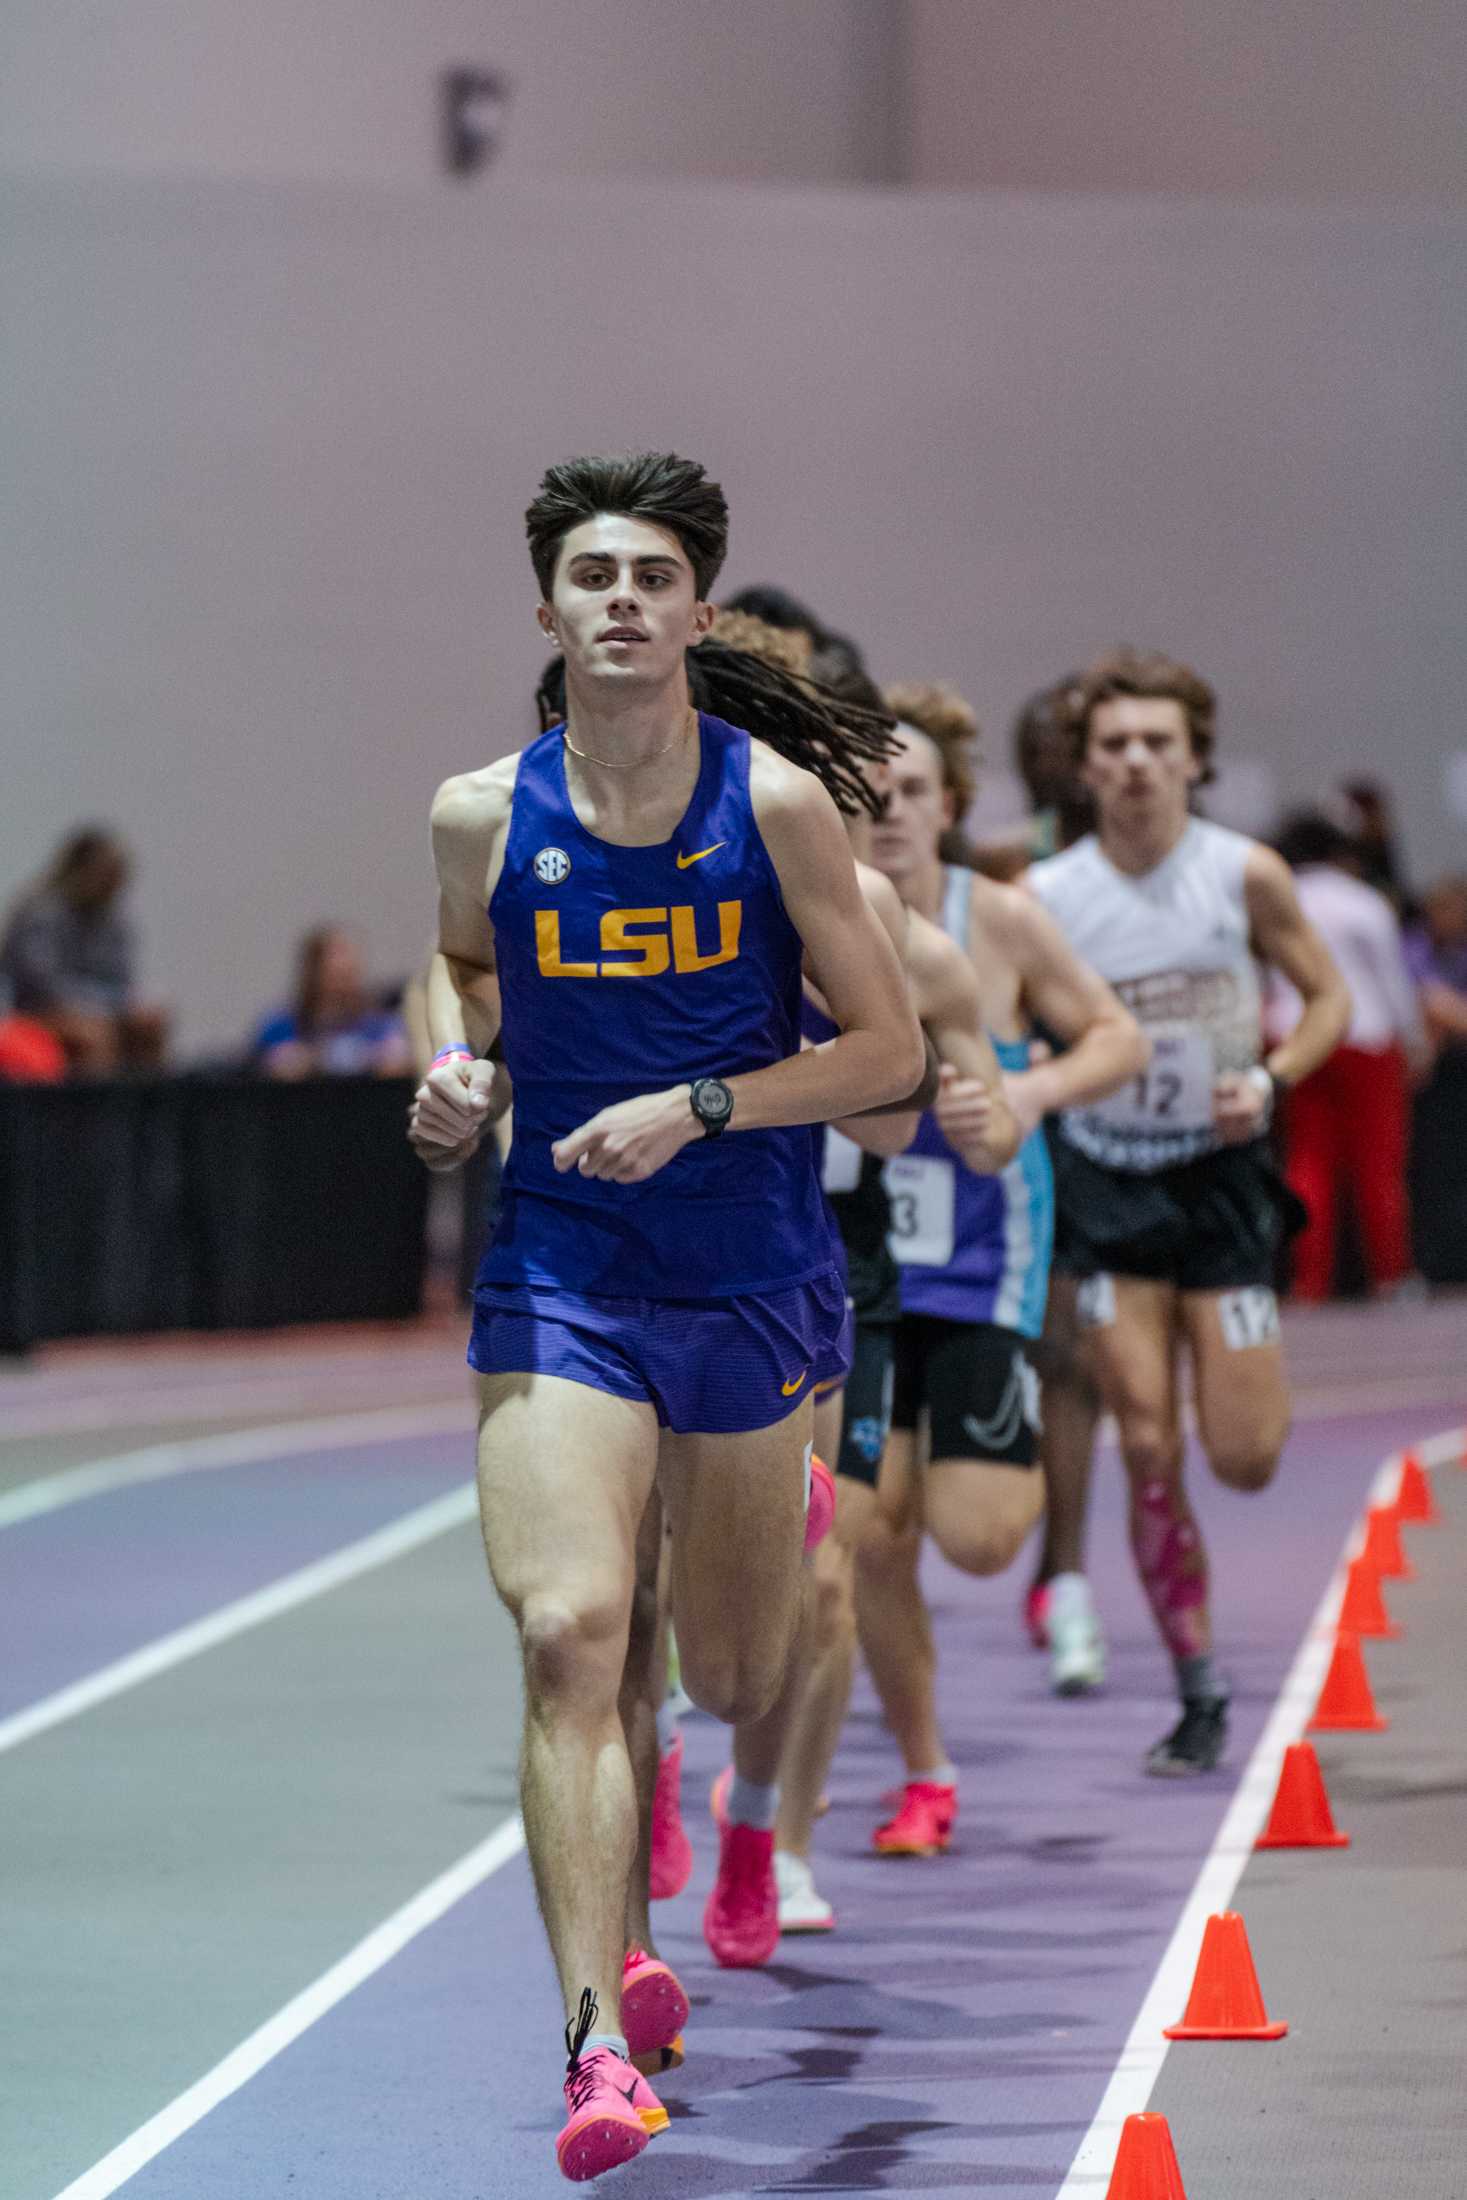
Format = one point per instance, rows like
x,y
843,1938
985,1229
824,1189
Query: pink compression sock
x,y
1172,1565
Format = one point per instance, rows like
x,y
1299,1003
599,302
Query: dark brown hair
x,y
950,725
656,486
1146,672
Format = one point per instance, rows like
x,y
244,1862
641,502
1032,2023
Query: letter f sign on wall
x,y
471,108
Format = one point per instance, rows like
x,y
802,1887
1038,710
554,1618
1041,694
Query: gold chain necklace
x,y
606,763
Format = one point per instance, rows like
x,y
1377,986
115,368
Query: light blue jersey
x,y
973,1248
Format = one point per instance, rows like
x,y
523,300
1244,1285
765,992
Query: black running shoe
x,y
1197,1741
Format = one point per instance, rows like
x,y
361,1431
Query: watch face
x,y
715,1101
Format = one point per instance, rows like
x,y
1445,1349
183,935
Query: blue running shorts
x,y
710,1367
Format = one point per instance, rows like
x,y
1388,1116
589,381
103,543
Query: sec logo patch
x,y
552,866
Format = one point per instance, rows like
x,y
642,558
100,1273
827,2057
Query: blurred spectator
x,y
333,1028
67,959
1368,816
1348,1125
1436,953
30,1053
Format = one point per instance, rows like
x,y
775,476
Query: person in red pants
x,y
1348,1123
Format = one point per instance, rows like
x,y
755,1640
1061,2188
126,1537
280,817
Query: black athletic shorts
x,y
975,1382
866,1412
1215,1224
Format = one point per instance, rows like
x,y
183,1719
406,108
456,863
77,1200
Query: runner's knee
x,y
990,1543
1151,1450
886,1548
573,1649
1246,1465
982,1547
732,1685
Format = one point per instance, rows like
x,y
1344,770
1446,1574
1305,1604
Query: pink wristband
x,y
452,1054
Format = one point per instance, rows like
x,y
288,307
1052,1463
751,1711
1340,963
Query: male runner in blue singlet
x,y
974,1255
634,897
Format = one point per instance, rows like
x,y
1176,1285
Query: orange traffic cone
x,y
1146,2162
1414,1499
1363,1611
1345,1702
1383,1544
1226,2002
1301,1817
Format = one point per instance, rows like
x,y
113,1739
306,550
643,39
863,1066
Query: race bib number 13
x,y
922,1189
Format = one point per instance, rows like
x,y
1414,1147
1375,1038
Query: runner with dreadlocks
x,y
661,1293
765,1885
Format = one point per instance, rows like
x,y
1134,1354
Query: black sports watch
x,y
712,1103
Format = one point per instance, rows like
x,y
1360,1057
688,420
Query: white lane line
x,y
378,1549
1145,2051
276,1391
388,1424
307,2008
241,1447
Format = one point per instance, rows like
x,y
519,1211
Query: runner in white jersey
x,y
1168,1203
974,1253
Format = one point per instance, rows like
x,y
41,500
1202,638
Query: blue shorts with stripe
x,y
711,1367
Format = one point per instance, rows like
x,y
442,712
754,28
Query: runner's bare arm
x,y
452,1105
1282,935
890,1130
850,938
878,1054
1103,1043
973,1110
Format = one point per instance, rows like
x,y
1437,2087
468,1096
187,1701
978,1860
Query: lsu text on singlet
x,y
623,971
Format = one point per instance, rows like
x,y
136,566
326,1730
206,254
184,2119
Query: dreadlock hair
x,y
656,486
1147,673
747,673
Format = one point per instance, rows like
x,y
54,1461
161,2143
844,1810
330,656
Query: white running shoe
x,y
801,1909
1076,1645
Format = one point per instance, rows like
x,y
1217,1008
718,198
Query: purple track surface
x,y
952,2038
162,1554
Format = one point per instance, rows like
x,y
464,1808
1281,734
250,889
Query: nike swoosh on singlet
x,y
789,1389
684,861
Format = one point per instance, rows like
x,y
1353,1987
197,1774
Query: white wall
x,y
266,449
796,89
1353,100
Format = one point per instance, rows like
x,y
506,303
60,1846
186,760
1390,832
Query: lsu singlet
x,y
973,1248
1173,942
623,971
